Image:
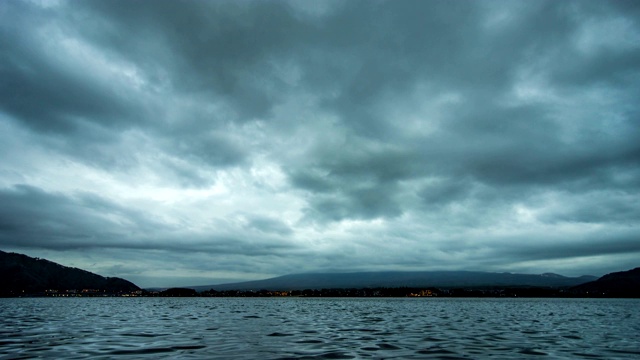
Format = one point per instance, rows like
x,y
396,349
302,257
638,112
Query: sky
x,y
201,142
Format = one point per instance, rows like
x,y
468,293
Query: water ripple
x,y
303,328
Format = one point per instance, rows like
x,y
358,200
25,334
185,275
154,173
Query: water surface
x,y
321,328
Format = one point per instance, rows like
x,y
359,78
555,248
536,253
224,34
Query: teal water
x,y
322,328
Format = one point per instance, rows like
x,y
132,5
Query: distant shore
x,y
381,292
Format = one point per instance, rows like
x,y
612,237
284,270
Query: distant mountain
x,y
617,284
442,279
23,274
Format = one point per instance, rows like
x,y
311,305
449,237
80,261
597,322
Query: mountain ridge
x,y
22,274
615,284
448,279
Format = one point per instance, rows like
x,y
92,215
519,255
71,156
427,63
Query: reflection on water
x,y
295,328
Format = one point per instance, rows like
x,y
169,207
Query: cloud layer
x,y
195,142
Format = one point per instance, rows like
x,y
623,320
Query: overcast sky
x,y
199,142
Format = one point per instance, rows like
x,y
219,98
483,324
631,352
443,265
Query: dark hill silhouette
x,y
443,279
617,284
179,292
21,274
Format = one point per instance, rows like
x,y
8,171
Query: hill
x,y
442,279
617,284
21,274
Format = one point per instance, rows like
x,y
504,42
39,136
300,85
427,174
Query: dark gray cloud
x,y
32,217
46,90
236,140
223,50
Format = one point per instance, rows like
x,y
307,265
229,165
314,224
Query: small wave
x,y
630,352
385,346
587,355
310,341
144,335
143,351
334,355
188,347
435,351
532,352
433,339
370,348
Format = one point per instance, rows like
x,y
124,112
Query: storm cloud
x,y
191,142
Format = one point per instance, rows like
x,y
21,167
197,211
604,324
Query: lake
x,y
319,328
